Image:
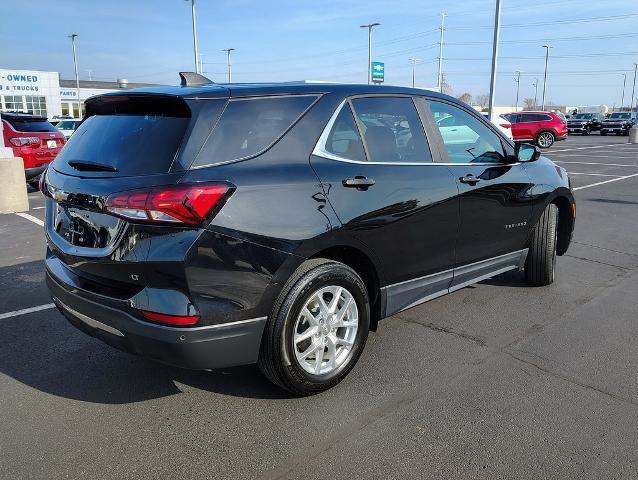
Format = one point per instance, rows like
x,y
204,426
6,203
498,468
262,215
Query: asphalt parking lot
x,y
497,380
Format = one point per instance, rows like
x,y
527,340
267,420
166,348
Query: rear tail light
x,y
24,141
181,204
506,125
178,320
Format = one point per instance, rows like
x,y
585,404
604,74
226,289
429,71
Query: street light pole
x,y
518,87
624,83
228,50
497,32
195,50
535,85
633,90
370,27
73,36
440,76
546,47
414,62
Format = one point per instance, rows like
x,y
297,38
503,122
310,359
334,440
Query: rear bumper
x,y
200,348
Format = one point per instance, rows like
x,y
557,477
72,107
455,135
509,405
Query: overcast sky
x,y
150,41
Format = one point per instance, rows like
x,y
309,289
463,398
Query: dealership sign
x,y
19,82
378,72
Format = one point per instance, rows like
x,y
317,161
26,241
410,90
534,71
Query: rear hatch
x,y
34,139
127,144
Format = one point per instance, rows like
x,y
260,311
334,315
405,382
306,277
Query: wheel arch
x,y
566,220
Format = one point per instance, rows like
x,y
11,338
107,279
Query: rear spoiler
x,y
192,79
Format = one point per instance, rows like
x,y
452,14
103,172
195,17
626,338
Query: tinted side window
x,y
344,139
248,126
392,129
466,138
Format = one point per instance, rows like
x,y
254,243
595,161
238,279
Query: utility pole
x,y
535,85
440,76
73,36
90,72
622,101
198,68
517,79
228,63
633,91
414,62
370,26
497,32
546,47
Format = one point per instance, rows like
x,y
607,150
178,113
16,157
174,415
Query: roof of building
x,y
102,84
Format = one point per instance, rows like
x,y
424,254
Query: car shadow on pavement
x,y
45,352
513,278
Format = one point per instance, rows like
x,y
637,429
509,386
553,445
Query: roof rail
x,y
192,79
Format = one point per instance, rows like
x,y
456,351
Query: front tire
x,y
540,265
317,329
545,139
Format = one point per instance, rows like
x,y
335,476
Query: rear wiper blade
x,y
91,166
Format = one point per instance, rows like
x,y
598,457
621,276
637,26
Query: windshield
x,y
68,125
583,116
620,115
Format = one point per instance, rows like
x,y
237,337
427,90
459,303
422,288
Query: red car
x,y
33,139
541,128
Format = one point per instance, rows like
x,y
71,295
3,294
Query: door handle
x,y
471,179
359,182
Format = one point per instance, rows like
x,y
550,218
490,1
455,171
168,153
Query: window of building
x,y
36,105
13,103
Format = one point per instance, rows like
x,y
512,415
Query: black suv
x,y
207,226
619,123
585,123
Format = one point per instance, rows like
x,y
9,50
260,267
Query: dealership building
x,y
44,93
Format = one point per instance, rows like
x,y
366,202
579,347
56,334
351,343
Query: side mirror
x,y
526,152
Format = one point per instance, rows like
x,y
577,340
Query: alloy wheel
x,y
545,140
325,330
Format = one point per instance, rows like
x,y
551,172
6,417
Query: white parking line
x,y
593,146
24,311
606,181
594,174
31,218
40,208
592,163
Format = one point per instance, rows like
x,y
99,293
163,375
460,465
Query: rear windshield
x,y
39,125
250,125
133,136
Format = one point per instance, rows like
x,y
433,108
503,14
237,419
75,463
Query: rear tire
x,y
283,343
545,139
540,265
34,184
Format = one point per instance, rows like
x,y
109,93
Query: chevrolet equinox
x,y
207,226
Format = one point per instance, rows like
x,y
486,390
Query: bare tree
x,y
466,97
528,104
445,87
483,101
